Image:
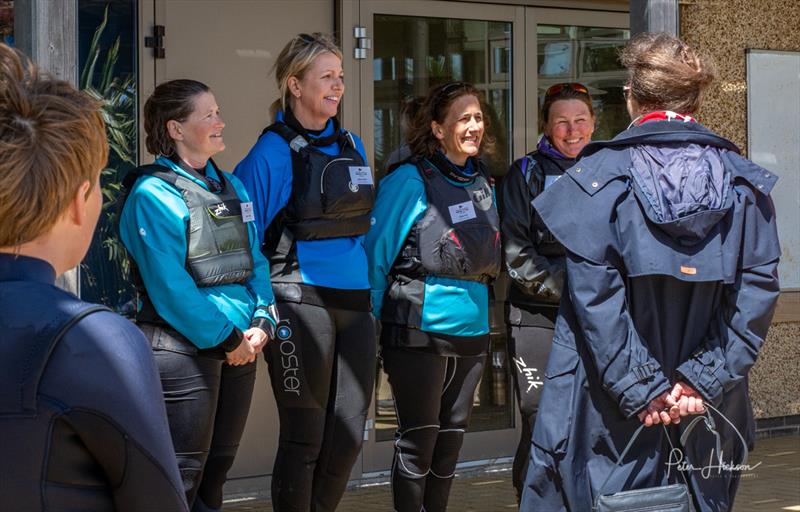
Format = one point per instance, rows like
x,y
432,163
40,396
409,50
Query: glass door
x,y
417,45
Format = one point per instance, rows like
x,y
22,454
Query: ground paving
x,y
773,485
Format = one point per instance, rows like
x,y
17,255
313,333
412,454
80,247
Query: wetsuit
x,y
193,315
323,364
81,416
535,263
433,247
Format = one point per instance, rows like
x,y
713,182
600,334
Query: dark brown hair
x,y
420,137
170,101
52,140
566,93
665,73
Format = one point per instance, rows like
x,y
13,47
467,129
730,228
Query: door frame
x,y
478,446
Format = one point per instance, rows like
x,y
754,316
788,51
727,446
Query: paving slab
x,y
772,485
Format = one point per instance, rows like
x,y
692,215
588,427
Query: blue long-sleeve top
x,y
451,306
153,228
266,173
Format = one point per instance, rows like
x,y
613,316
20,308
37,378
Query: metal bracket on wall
x,y
363,43
156,42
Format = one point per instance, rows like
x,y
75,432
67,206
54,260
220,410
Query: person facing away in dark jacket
x,y
81,416
534,259
672,255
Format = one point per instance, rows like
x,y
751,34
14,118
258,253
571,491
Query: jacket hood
x,y
682,188
678,175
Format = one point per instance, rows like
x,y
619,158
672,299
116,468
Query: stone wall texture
x,y
724,29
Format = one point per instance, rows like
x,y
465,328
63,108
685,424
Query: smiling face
x,y
569,126
461,131
199,137
315,97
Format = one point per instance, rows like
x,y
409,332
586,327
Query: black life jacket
x,y
218,245
332,195
459,235
537,167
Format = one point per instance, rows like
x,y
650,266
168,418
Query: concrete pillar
x,y
654,16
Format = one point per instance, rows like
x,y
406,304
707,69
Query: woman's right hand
x,y
245,353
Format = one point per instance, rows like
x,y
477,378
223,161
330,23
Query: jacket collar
x,y
662,132
24,268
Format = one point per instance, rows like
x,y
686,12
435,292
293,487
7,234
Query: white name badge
x,y
360,175
247,212
462,211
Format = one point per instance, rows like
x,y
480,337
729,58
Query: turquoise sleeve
x,y
259,283
153,229
400,203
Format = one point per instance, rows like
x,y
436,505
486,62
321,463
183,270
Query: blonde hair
x,y
52,140
295,59
665,73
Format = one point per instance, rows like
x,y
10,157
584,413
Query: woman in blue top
x,y
206,298
312,193
433,246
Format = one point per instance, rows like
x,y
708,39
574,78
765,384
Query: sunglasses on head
x,y
307,38
572,86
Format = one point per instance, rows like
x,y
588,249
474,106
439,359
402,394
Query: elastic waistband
x,y
162,337
352,300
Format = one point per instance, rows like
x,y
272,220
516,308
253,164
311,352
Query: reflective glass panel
x,y
412,54
7,22
588,55
107,70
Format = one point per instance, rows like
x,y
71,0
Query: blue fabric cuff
x,y
701,372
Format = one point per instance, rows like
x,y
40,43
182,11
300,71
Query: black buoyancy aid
x,y
45,314
537,167
459,234
332,195
217,242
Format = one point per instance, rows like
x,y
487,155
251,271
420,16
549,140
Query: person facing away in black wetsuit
x,y
534,259
81,416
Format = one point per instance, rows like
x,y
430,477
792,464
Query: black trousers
x,y
433,397
528,351
322,369
207,404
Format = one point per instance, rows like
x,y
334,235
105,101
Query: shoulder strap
x,y
295,141
159,171
30,367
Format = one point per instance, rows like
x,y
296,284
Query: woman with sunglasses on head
x,y
206,300
433,247
672,256
534,259
312,192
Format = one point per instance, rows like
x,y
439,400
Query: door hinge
x,y
156,41
363,43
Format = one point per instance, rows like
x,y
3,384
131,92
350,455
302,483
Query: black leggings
x,y
528,350
322,368
433,397
207,404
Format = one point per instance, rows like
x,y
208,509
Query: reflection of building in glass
x,y
7,21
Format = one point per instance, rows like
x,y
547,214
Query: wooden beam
x,y
47,31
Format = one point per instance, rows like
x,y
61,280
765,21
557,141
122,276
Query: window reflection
x,y
7,21
588,55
